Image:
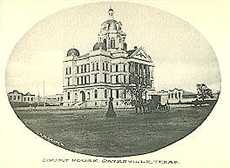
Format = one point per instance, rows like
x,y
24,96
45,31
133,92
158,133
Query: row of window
x,y
115,79
138,68
19,98
95,67
68,70
82,80
176,95
117,94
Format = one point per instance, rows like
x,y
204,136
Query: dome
x,y
98,46
110,25
73,52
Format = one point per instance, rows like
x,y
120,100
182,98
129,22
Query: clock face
x,y
151,96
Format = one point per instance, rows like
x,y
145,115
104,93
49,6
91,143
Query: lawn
x,y
89,132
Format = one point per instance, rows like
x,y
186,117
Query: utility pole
x,y
44,93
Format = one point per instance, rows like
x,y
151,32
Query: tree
x,y
203,92
137,87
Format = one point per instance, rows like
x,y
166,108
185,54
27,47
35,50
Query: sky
x,y
182,56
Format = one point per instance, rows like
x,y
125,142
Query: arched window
x,y
112,43
105,43
93,68
88,95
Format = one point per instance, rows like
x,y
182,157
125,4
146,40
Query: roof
x,y
29,94
15,91
130,52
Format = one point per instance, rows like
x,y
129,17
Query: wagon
x,y
159,102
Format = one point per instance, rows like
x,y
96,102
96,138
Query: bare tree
x,y
137,87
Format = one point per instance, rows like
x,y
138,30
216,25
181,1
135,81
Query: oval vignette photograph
x,y
112,79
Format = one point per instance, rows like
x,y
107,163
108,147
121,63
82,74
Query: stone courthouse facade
x,y
91,79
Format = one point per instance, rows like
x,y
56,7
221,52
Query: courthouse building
x,y
89,80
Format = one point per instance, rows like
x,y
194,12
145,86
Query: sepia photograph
x,y
112,79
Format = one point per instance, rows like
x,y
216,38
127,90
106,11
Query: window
x,y
68,81
66,71
85,68
77,80
117,93
10,97
95,94
124,78
176,95
111,92
77,69
95,78
82,80
88,79
88,67
112,43
18,97
103,66
106,93
14,97
28,98
116,68
129,67
117,79
124,68
93,68
111,68
68,95
31,99
179,94
124,94
97,66
69,70
105,78
88,95
81,68
106,66
85,81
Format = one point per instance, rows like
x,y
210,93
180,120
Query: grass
x,y
89,132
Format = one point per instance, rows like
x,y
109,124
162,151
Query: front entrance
x,y
82,94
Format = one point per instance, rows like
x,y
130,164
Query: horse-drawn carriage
x,y
159,102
